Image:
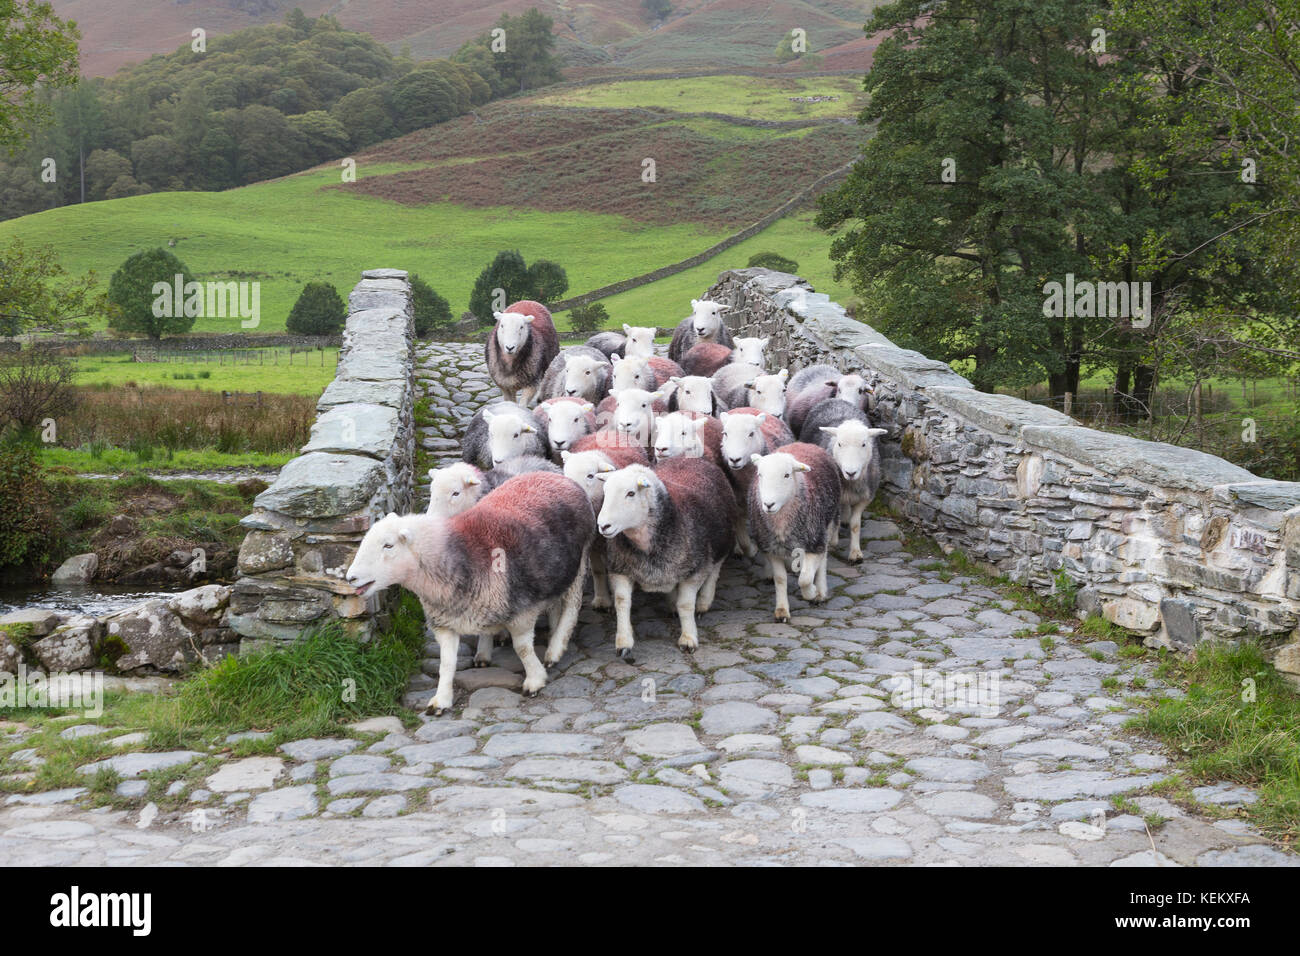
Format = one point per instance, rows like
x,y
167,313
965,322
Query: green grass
x,y
304,374
1227,736
115,460
747,96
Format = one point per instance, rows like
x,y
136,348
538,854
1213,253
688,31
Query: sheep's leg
x,y
599,580
687,592
777,564
563,630
744,543
823,592
835,527
808,576
483,654
621,585
448,648
526,395
705,599
855,531
522,631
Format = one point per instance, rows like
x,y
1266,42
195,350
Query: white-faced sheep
x,y
704,325
744,385
666,529
634,413
640,341
844,431
693,393
454,488
688,435
521,550
815,384
500,432
750,351
520,348
747,432
794,506
564,420
642,371
588,468
579,371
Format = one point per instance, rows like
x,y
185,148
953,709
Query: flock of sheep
x,y
648,471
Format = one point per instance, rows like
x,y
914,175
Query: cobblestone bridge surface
x,y
774,743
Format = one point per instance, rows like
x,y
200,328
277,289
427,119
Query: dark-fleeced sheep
x,y
747,432
666,529
815,384
579,371
704,325
693,393
514,467
794,507
520,348
500,432
688,435
649,372
563,421
844,431
609,343
740,385
520,550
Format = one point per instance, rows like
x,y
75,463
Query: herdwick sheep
x,y
693,393
564,420
815,384
688,435
640,341
634,413
747,385
514,467
751,351
615,445
521,550
577,372
704,325
499,432
609,343
794,506
705,358
520,348
747,432
844,431
588,469
453,488
666,529
642,371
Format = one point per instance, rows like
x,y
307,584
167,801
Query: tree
x,y
140,307
547,281
103,168
588,318
422,98
318,311
656,9
37,51
772,260
27,521
36,294
506,273
35,385
432,311
365,117
326,138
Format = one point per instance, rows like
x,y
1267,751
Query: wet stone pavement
x,y
787,744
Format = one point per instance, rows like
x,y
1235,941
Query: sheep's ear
x,y
642,483
391,514
606,468
565,456
615,359
763,342
488,414
627,329
750,383
528,430
432,472
498,316
588,407
404,536
800,466
529,318
674,380
831,429
472,480
755,459
602,475
761,417
695,303
783,374
877,432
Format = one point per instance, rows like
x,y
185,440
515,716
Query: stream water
x,y
95,599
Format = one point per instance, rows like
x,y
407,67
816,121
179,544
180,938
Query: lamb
x,y
817,383
520,348
521,549
501,431
705,358
454,488
747,432
666,529
844,431
640,341
794,506
746,385
577,372
704,325
648,372
564,420
693,393
751,351
688,435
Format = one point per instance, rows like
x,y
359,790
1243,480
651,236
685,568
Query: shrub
x,y
588,318
432,311
27,518
35,384
318,311
772,260
132,290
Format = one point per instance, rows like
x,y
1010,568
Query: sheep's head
x,y
386,555
853,446
706,319
853,389
742,438
777,479
767,392
751,351
512,330
629,495
677,435
634,414
632,372
640,341
584,377
694,394
507,436
454,489
586,468
568,421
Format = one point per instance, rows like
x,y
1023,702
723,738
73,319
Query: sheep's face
x,y
627,501
453,489
706,319
767,393
742,437
853,447
694,394
508,437
634,414
678,436
632,372
751,351
777,479
567,422
385,556
640,341
853,389
512,330
587,469
583,376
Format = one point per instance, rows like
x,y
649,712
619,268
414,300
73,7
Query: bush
x,y
35,384
318,311
544,281
588,318
27,521
432,311
132,290
547,281
772,260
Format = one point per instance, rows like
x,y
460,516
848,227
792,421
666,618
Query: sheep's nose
x,y
769,506
510,349
850,474
604,528
560,444
570,391
734,462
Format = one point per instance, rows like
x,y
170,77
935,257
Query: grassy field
x,y
747,96
303,373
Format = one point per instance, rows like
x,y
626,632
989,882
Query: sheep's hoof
x,y
688,648
625,655
482,663
855,558
433,710
781,616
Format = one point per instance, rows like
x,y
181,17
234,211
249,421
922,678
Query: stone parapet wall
x,y
357,466
1172,543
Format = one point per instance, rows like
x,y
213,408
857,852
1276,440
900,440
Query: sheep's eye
x,y
590,477
631,494
516,434
388,546
455,494
787,474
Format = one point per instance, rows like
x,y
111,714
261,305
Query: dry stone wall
x,y
1172,543
357,466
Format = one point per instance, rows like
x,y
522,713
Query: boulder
x,y
71,647
78,569
37,621
204,605
154,636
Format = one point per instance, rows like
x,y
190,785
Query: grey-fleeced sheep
x,y
845,433
704,325
794,506
693,393
742,384
642,371
666,529
609,343
815,384
500,432
514,467
519,349
579,371
521,550
564,421
688,435
747,432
